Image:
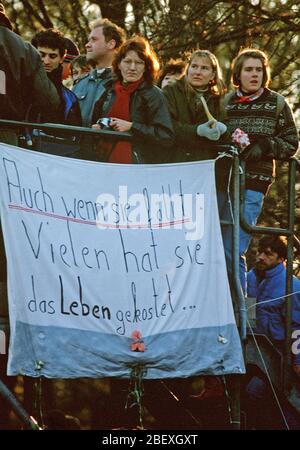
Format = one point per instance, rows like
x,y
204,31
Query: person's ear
x,y
62,57
111,44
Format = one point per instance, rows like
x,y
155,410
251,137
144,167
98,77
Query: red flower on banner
x,y
136,334
138,345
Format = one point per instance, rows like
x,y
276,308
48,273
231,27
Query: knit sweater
x,y
276,135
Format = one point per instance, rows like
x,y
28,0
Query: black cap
x,y
72,50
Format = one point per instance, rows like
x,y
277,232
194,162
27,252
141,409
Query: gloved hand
x,y
205,130
221,127
252,152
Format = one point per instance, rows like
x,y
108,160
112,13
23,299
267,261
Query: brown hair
x,y
144,50
173,67
110,31
217,86
277,244
237,64
50,38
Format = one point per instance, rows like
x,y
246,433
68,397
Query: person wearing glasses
x,y
134,104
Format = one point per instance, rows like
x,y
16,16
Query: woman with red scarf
x,y
135,105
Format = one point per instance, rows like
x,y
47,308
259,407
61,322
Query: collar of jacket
x,y
144,85
275,270
56,76
180,84
95,75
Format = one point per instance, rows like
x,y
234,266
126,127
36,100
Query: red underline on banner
x,y
48,214
99,225
138,227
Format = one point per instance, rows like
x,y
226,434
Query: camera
x,y
104,122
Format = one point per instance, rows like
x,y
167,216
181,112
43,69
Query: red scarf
x,y
248,98
122,153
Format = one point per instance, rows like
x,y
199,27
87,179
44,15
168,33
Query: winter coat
x,y
58,143
252,283
152,130
270,317
23,79
187,113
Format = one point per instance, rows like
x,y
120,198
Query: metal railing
x,y
291,241
66,129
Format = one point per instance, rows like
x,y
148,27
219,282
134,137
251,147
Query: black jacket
x,y
152,129
23,79
187,113
69,111
58,143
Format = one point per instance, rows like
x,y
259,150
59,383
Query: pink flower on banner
x,y
136,335
138,345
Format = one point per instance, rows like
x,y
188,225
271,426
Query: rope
x,y
228,401
272,299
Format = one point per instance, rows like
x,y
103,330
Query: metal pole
x,y
236,249
238,294
16,406
287,360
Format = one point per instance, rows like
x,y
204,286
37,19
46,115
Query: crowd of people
x,y
178,113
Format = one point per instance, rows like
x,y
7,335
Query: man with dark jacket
x,y
51,45
23,80
267,282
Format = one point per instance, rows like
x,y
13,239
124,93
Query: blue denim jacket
x,y
89,90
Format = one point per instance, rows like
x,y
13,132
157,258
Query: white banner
x,y
112,266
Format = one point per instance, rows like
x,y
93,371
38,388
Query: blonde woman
x,y
194,134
